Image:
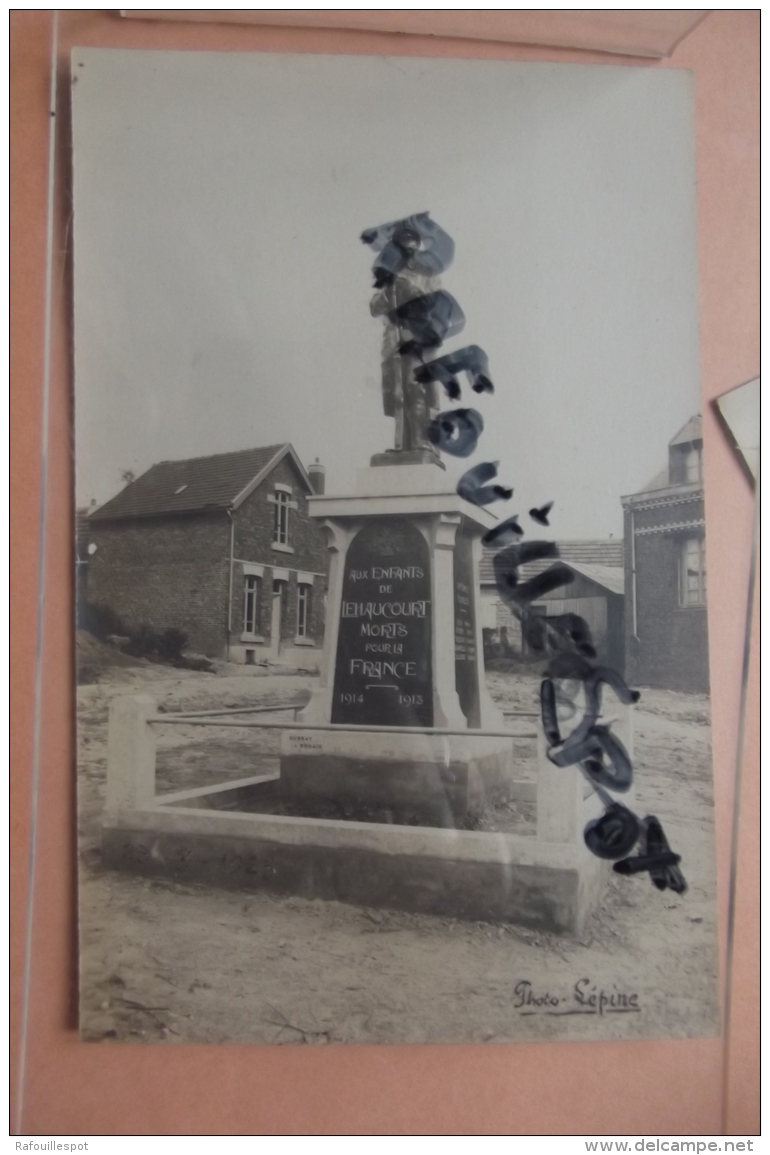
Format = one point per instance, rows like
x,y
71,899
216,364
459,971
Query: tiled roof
x,y
193,485
612,577
601,561
692,431
81,534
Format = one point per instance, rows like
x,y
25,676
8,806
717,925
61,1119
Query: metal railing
x,y
228,712
202,718
428,731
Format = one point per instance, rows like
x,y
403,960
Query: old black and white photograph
x,y
390,542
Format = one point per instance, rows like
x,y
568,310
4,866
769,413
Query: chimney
x,y
317,474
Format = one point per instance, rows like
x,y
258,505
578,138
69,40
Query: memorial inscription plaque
x,y
466,658
383,672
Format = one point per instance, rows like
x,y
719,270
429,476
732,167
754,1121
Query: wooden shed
x,y
597,594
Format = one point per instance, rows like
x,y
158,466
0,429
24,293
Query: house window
x,y
303,610
693,469
281,521
693,572
250,604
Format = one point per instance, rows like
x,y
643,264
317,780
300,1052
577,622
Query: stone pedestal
x,y
402,648
402,457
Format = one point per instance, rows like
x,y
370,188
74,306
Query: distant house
x,y
221,547
665,571
596,594
82,540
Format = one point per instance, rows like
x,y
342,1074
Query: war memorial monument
x,y
403,646
400,749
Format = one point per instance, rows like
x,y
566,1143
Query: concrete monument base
x,y
438,780
403,648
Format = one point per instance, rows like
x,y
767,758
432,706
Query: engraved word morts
x,y
383,671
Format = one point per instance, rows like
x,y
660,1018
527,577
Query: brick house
x,y
597,594
665,572
221,547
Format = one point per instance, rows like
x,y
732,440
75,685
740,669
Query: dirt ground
x,y
162,961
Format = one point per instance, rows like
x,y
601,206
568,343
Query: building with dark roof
x,y
220,547
665,571
597,594
82,539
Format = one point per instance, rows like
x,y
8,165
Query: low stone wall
x,y
550,881
462,874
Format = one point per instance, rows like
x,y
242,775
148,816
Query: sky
x,y
222,292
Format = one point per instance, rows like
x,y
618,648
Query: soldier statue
x,y
417,315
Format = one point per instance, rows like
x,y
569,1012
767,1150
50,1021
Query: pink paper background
x,y
647,31
653,1087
